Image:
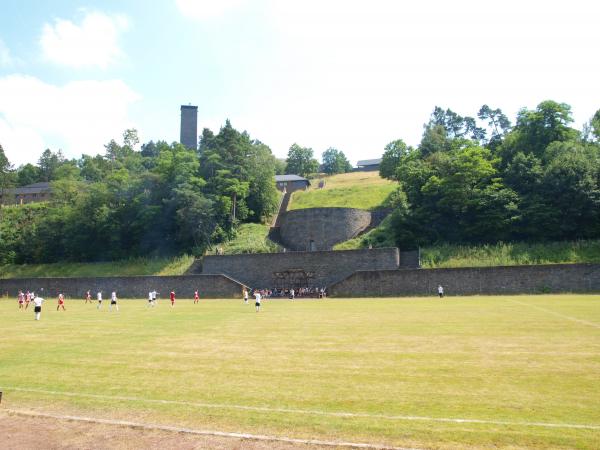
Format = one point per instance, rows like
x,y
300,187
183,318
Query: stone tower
x,y
189,126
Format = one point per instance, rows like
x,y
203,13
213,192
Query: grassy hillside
x,y
511,254
250,238
131,267
500,254
363,190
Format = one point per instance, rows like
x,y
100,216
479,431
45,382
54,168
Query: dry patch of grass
x,y
363,190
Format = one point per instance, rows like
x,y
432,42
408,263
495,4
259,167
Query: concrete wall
x,y
209,286
323,226
299,269
471,281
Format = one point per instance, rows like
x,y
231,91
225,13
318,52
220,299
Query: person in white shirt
x,y
113,301
154,293
245,295
292,294
99,297
257,296
150,299
37,307
440,291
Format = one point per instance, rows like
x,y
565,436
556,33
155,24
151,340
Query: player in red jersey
x,y
28,299
172,298
61,302
21,298
196,297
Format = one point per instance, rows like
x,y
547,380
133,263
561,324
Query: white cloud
x,y
79,117
6,59
206,9
356,74
93,43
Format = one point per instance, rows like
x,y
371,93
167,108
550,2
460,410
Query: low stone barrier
x,y
552,278
208,286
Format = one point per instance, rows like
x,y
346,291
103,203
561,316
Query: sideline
x,y
155,427
554,313
309,412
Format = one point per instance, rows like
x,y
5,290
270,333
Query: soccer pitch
x,y
462,372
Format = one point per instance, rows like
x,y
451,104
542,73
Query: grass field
x,y
465,372
363,190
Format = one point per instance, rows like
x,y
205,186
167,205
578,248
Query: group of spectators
x,y
304,292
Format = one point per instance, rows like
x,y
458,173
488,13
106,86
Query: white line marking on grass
x,y
309,411
154,427
554,313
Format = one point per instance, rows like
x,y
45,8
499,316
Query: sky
x,y
354,75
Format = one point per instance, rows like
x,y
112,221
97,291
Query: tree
x,y
392,154
334,161
130,138
497,121
6,171
536,129
435,139
28,174
48,163
300,161
455,125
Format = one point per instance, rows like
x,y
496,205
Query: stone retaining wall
x,y
299,269
553,278
208,286
321,227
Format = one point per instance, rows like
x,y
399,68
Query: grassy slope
x,y
516,359
511,254
250,238
363,190
138,266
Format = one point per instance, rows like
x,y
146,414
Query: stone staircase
x,y
274,231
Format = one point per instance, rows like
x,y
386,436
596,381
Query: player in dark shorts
x,y
113,301
37,307
258,298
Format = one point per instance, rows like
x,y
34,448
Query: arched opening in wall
x,y
312,247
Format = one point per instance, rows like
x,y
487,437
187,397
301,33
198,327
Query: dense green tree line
x,y
473,182
165,199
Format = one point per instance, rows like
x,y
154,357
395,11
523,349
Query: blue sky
x,y
353,75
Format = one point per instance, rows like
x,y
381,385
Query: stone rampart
x,y
321,228
555,278
299,269
208,286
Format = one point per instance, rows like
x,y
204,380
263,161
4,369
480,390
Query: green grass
x,y
525,359
250,238
363,190
130,267
511,254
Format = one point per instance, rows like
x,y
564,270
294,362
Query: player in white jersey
x,y
37,307
99,297
113,301
258,298
245,295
